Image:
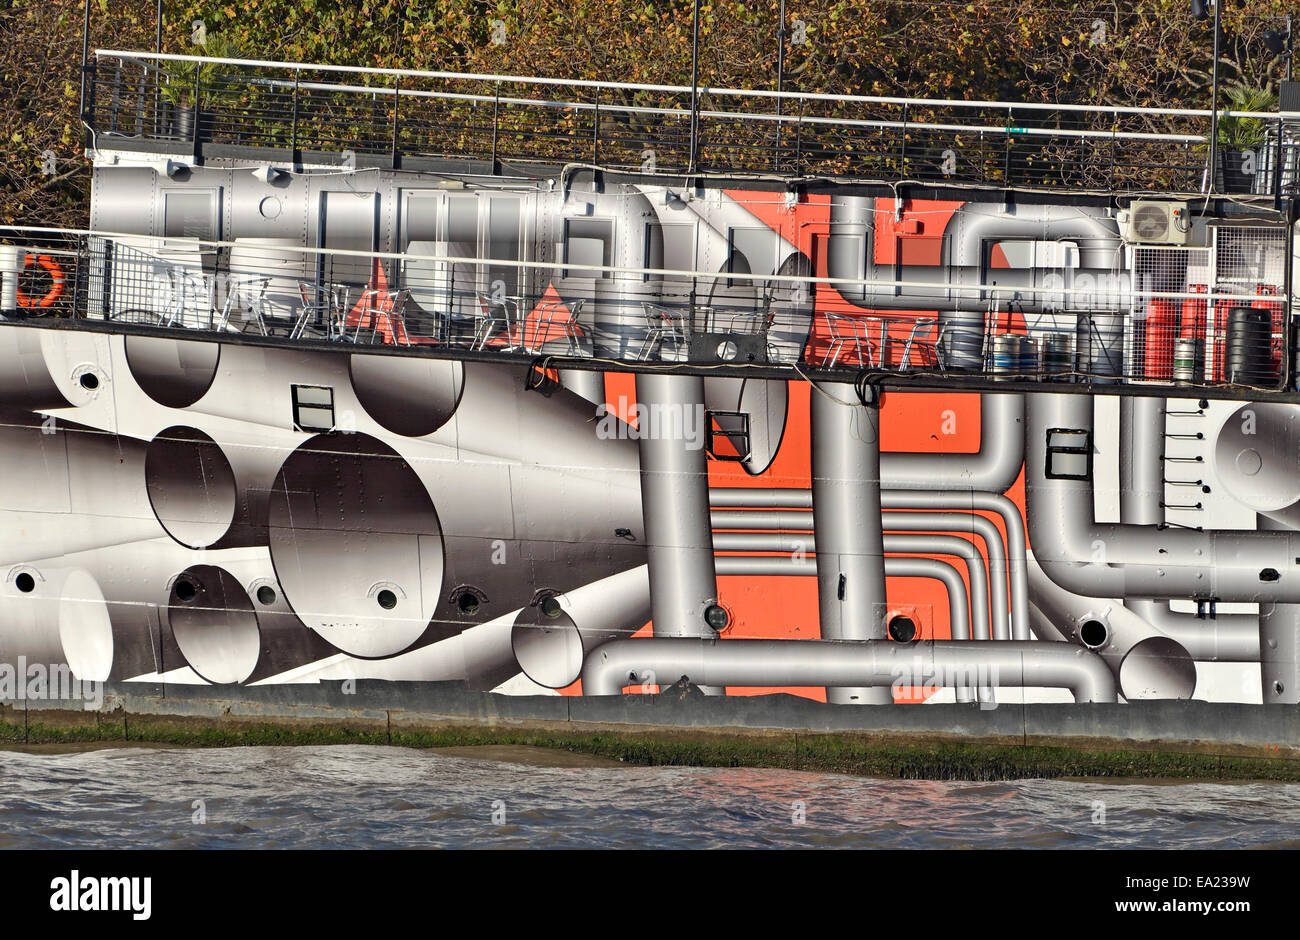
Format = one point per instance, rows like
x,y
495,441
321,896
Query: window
x,y
190,215
587,241
1069,454
728,437
313,408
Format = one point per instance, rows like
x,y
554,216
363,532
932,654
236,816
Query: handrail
x,y
703,90
634,272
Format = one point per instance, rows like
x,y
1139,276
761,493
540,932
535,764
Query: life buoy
x,y
56,281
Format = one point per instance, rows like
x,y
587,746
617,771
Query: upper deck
x,y
402,118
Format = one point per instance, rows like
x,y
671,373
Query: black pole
x,y
158,20
695,84
85,57
1214,99
780,59
157,47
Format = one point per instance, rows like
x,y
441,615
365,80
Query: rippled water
x,y
359,797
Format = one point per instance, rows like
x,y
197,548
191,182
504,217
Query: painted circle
x,y
1157,668
214,625
346,513
1255,455
548,650
173,372
269,208
1249,462
409,396
191,486
25,582
85,629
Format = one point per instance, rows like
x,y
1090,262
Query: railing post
x,y
798,139
293,125
496,111
198,114
1278,155
595,131
902,155
1006,153
397,95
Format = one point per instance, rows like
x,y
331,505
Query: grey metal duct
x,y
960,282
675,507
1121,560
1222,638
846,514
878,664
1146,663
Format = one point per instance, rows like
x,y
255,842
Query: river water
x,y
364,797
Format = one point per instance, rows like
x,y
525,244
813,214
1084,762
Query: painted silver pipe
x,y
846,515
1255,459
878,664
675,508
1146,663
1121,560
893,543
891,521
896,566
1279,645
964,282
549,645
1012,520
1224,638
992,469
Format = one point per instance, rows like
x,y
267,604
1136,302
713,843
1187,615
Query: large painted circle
x,y
173,372
191,486
214,624
356,544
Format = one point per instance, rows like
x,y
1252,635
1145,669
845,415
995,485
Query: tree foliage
x,y
1146,52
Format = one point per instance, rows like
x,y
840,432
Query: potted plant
x,y
182,78
1241,139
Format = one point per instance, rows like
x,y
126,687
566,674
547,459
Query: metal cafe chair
x,y
383,307
917,339
493,312
662,323
246,294
555,313
320,305
755,323
845,330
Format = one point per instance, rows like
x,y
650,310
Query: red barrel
x,y
1162,325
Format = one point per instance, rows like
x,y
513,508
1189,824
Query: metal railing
x,y
186,104
1231,331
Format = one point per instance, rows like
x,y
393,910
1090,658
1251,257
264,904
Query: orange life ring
x,y
56,281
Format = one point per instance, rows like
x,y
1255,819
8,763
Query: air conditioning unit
x,y
1156,222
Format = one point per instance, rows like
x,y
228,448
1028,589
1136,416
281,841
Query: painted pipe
x,y
964,281
992,469
487,654
800,523
47,369
675,507
54,615
1223,638
896,566
1123,560
878,664
1279,644
800,544
846,514
1012,520
1146,663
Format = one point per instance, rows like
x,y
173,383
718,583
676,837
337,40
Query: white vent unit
x,y
1156,222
